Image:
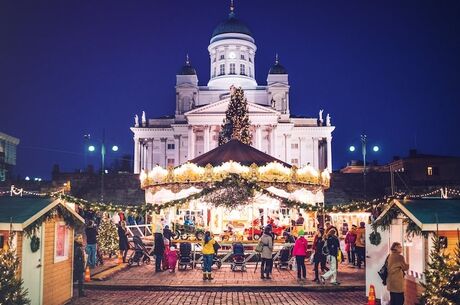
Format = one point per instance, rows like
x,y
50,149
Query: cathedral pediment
x,y
222,106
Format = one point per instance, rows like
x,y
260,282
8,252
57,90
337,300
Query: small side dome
x,y
187,69
277,68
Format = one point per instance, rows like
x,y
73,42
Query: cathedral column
x,y
329,154
136,156
191,143
165,141
177,150
148,148
272,141
315,153
300,151
207,140
258,137
287,148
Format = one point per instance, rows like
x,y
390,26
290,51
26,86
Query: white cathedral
x,y
200,110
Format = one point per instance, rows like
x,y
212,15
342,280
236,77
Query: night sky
x,y
390,69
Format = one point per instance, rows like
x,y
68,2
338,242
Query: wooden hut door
x,y
32,268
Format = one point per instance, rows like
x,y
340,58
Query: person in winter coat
x,y
318,257
167,233
300,252
333,247
79,263
208,255
350,240
267,254
395,280
360,244
158,251
123,244
91,243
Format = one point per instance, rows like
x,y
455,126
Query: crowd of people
x,y
325,254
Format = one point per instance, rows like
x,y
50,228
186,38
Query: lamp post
x,y
92,148
375,149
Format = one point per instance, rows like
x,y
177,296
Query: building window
x,y
250,72
171,146
242,57
199,138
232,69
295,161
170,162
222,56
250,59
61,242
222,69
294,145
429,171
242,69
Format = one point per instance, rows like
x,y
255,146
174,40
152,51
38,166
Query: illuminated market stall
x,y
235,186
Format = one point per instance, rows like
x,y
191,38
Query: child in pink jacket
x,y
171,257
300,253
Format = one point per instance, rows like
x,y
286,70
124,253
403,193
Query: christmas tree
x,y
11,290
107,237
236,123
440,289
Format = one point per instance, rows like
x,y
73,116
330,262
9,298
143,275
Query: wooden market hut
x,y
43,236
412,223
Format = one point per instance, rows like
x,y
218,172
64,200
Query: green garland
x,y
69,219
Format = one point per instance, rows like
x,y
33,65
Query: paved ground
x,y
144,276
234,298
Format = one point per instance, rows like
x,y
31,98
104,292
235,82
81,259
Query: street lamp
x,y
92,148
375,149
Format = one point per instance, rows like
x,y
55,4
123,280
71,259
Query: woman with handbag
x,y
396,267
266,254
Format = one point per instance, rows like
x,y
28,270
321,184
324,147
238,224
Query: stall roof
x,y
430,214
236,151
22,211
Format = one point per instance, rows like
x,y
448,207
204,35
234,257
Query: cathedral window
x,y
242,69
171,146
242,57
294,145
232,69
295,161
250,59
222,56
222,69
170,162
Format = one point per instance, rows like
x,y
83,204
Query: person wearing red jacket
x,y
300,252
350,243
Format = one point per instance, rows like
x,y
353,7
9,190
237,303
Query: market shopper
x,y
208,255
360,244
123,244
396,267
319,258
267,254
332,247
350,245
300,252
167,233
158,251
91,243
79,263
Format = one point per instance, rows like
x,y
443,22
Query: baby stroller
x,y
140,254
284,260
185,256
238,260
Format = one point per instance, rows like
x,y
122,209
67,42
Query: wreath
x,y
34,244
375,238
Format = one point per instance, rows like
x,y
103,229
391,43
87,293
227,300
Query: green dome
x,y
187,69
277,69
231,25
